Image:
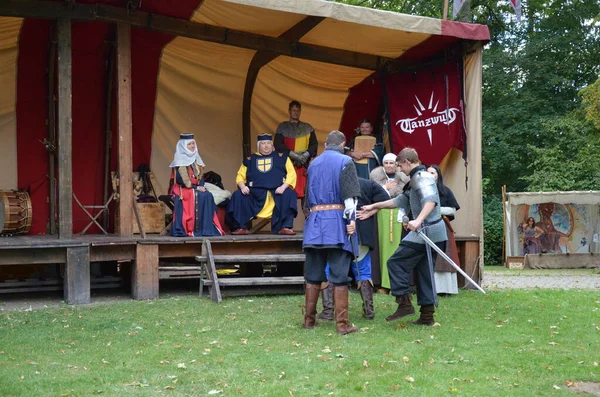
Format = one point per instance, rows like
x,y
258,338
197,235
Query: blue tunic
x,y
326,229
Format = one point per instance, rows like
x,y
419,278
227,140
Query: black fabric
x,y
349,182
339,265
447,199
406,259
214,178
313,144
371,192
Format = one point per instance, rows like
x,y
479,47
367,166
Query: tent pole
x,y
65,130
52,130
110,63
445,10
125,130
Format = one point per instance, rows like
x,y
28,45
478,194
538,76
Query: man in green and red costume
x,y
298,140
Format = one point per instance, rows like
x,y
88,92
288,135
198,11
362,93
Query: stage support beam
x,y
77,276
125,130
144,280
65,128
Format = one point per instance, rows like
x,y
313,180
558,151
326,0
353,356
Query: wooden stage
x,y
145,254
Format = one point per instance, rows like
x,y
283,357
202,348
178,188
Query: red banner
x,y
426,112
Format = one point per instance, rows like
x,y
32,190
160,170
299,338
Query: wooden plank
x,y
102,253
65,127
250,281
211,271
29,256
194,30
138,218
77,276
470,263
124,130
259,258
144,281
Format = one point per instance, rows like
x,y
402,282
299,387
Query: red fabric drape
x,y
426,111
90,48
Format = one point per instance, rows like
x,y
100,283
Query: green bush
x,y
493,230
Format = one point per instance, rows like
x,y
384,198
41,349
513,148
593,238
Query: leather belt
x,y
432,223
327,207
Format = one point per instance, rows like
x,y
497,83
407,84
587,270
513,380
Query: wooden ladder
x,y
210,278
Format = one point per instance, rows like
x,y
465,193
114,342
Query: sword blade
x,y
447,258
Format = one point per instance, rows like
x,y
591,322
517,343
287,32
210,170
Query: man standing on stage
x,y
422,199
329,230
298,140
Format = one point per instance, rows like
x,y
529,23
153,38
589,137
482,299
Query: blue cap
x,y
186,136
265,137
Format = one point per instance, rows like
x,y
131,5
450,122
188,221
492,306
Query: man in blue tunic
x,y
266,183
333,191
413,254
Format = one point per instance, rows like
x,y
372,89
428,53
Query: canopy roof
x,y
192,76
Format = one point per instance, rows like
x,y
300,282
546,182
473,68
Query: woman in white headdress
x,y
194,211
388,228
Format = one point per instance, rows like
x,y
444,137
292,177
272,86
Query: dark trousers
x,y
409,258
339,265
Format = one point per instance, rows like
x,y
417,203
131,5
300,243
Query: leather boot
x,y
311,297
366,293
340,299
426,317
327,297
405,308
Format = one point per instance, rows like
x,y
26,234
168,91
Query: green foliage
x,y
493,227
537,75
591,101
569,162
505,343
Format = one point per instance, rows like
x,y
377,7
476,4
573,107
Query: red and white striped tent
x,y
197,83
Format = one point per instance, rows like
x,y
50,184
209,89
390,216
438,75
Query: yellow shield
x,y
264,165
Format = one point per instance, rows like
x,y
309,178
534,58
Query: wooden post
x,y
144,281
124,127
471,262
65,125
77,275
504,254
445,16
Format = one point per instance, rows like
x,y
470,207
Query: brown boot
x,y
405,308
311,297
366,293
426,317
340,300
327,296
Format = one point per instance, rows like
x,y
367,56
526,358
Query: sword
x,y
447,258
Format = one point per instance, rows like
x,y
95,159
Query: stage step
x,y
253,281
254,258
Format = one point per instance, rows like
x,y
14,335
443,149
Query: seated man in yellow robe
x,y
266,182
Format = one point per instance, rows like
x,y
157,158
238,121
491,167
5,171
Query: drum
x,y
15,212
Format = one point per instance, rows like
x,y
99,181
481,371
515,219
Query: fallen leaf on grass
x,y
181,365
409,379
215,392
326,350
556,387
244,341
365,364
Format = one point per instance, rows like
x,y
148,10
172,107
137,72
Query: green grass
x,y
520,343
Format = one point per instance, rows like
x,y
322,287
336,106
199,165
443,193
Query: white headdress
x,y
389,157
184,156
